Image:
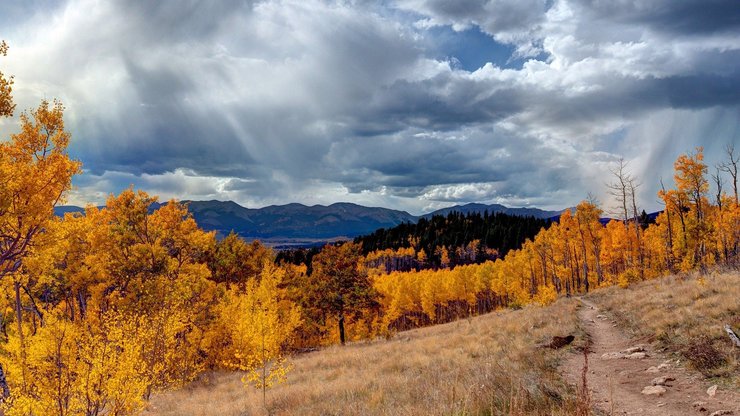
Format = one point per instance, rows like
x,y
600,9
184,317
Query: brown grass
x,y
489,365
684,314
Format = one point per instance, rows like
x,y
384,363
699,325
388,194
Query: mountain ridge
x,y
313,222
474,207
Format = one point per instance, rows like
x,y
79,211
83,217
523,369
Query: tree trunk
x,y
4,385
341,328
19,321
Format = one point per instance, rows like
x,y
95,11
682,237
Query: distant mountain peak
x,y
317,222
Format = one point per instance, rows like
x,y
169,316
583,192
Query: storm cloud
x,y
278,101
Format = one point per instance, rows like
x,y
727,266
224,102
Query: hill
x,y
298,224
494,363
487,365
294,220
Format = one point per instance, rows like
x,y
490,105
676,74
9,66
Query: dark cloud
x,y
695,91
445,102
317,101
494,16
682,17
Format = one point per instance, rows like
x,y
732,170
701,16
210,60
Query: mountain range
x,y
298,224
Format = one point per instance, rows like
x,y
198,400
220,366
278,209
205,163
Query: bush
x,y
703,355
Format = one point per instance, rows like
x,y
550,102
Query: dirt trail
x,y
616,381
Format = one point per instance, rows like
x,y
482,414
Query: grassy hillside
x,y
685,314
490,364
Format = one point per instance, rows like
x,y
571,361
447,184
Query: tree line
x,y
455,239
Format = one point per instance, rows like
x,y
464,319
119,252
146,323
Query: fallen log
x,y
733,336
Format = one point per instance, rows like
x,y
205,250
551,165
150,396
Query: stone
x,y
601,316
712,391
636,356
653,390
699,406
722,412
633,350
611,355
662,381
653,369
663,366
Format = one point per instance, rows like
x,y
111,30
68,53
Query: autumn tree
x,y
256,326
691,182
35,174
235,261
125,267
6,87
589,229
624,189
339,286
80,368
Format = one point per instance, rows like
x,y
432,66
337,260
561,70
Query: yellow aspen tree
x,y
421,257
47,366
35,174
690,180
431,294
259,325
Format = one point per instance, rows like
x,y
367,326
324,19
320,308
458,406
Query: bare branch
x,y
730,166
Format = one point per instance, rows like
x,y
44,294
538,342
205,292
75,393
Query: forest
x,y
102,310
455,239
439,241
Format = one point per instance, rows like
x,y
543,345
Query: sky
x,y
407,104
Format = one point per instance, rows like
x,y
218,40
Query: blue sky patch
x,y
471,48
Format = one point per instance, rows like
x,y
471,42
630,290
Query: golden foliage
x,y
254,328
6,88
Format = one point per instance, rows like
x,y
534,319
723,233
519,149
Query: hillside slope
x,y
490,363
494,364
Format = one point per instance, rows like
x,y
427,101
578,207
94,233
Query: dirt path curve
x,y
618,375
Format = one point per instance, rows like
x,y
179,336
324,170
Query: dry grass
x,y
489,365
684,314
